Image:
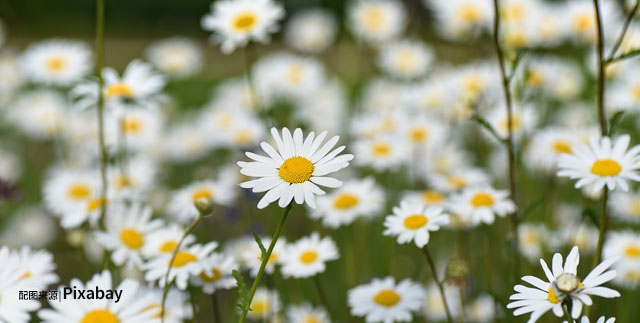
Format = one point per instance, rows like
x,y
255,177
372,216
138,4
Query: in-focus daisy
x,y
307,256
216,273
482,204
625,206
602,163
377,20
311,31
265,304
405,59
57,62
189,261
129,309
356,198
382,300
292,172
179,57
126,230
236,22
305,313
182,204
563,284
412,221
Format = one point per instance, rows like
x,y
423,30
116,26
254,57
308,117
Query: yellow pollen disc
x,y
552,296
516,38
79,191
584,23
482,200
259,307
25,275
632,251
345,201
432,196
473,84
118,89
244,21
381,149
95,204
562,146
202,193
373,19
606,167
632,275
311,319
132,238
123,181
387,297
469,13
515,123
514,12
156,308
535,79
295,74
183,258
211,278
635,207
636,92
531,238
131,125
168,246
457,182
415,221
100,316
405,60
296,170
56,64
418,134
272,259
243,137
308,257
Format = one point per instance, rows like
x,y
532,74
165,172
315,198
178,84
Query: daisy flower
x,y
311,31
177,56
427,197
136,181
482,309
563,284
378,20
11,282
482,204
39,114
459,19
176,308
236,22
295,169
66,190
384,153
189,261
356,198
412,221
57,62
252,257
129,309
405,59
625,206
547,145
459,178
307,256
530,239
601,319
305,313
265,304
434,308
164,240
182,204
384,301
31,226
602,163
626,246
126,231
216,273
40,268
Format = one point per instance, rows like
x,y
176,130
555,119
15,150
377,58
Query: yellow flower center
x,y
118,89
95,203
381,149
514,12
131,238
636,92
432,197
415,221
457,182
26,275
311,319
515,123
606,167
632,251
123,181
79,191
213,277
202,193
243,137
482,200
56,64
535,78
562,146
308,257
473,84
469,13
584,22
168,246
387,297
157,308
373,19
131,125
244,21
635,207
531,238
405,60
296,170
100,316
259,307
345,201
553,298
516,38
295,74
182,258
418,134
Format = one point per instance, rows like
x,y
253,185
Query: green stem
x,y
265,259
99,67
167,285
602,118
566,314
216,308
603,227
323,295
625,28
434,272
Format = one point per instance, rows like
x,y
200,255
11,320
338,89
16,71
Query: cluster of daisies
x,y
416,149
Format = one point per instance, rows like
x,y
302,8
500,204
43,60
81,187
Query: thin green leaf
x,y
516,62
263,251
532,206
243,300
630,54
484,123
615,119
